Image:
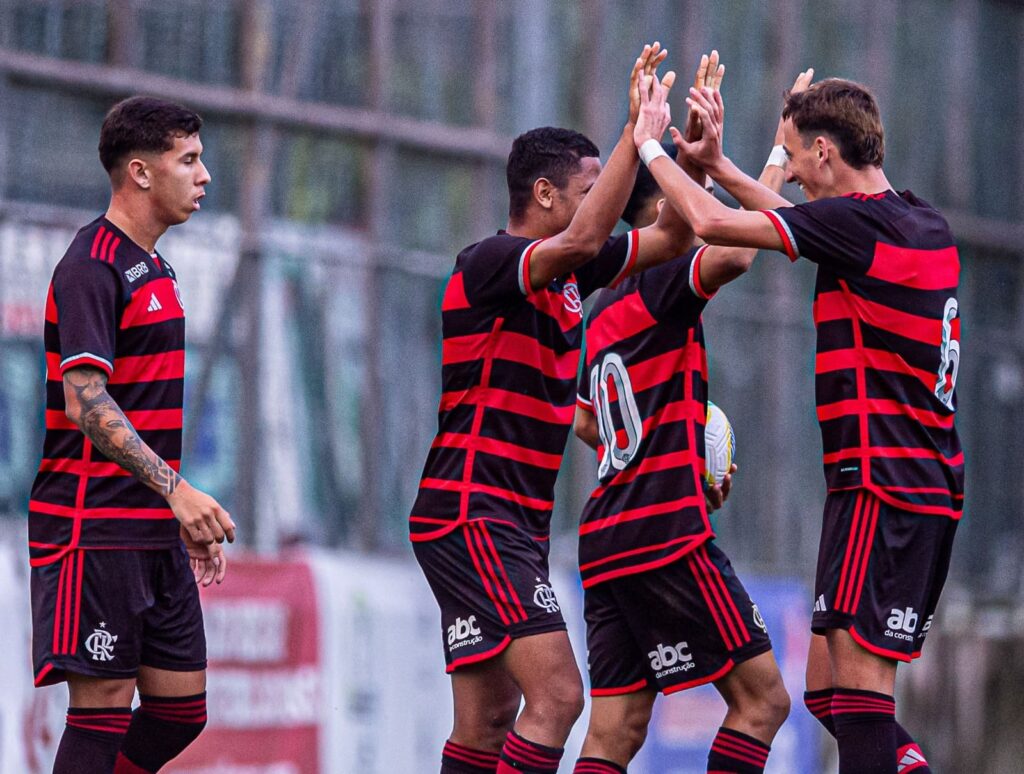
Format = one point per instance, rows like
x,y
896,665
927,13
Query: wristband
x,y
650,150
777,158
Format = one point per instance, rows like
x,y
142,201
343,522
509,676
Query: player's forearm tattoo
x,y
103,423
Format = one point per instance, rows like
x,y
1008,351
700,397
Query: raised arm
x,y
101,420
599,212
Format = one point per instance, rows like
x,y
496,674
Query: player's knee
x,y
561,703
486,730
765,706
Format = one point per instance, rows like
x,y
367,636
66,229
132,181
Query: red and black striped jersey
x,y
112,306
888,351
646,383
508,368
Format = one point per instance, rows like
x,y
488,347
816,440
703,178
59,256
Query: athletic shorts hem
x,y
476,658
677,687
55,671
529,628
639,685
821,623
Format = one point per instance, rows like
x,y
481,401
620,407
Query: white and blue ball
x,y
719,445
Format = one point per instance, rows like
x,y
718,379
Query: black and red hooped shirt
x,y
112,306
646,383
509,361
888,351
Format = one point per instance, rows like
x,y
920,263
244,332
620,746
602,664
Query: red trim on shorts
x,y
47,668
78,597
695,568
875,508
460,662
639,685
469,538
728,667
883,652
728,605
501,568
503,590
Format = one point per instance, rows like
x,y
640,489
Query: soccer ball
x,y
719,445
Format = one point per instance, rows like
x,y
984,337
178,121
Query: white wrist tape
x,y
650,150
709,184
777,158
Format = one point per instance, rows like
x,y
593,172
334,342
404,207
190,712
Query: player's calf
x,y
617,730
161,728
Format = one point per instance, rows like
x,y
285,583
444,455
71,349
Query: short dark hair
x,y
644,188
847,112
545,152
143,124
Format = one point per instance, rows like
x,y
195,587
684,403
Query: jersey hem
x,y
651,566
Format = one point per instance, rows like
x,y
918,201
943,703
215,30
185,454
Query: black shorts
x,y
104,613
880,573
490,580
675,627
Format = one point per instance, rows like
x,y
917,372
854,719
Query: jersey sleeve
x,y
87,295
610,266
497,269
672,291
834,233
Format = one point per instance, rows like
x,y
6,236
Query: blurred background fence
x,y
357,145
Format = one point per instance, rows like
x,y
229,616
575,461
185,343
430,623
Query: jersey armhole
x,y
695,286
632,249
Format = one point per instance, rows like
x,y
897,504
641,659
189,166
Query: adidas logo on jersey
x,y
819,605
154,304
463,632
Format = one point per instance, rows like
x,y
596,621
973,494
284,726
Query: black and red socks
x,y
161,728
91,739
733,752
459,759
521,756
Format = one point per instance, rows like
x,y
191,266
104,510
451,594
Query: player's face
x,y
803,166
569,198
179,179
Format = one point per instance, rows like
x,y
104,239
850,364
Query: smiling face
x,y
567,199
806,162
177,179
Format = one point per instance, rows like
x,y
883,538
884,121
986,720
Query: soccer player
x,y
512,325
118,539
888,351
664,609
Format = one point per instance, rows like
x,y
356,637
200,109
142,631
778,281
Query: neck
x,y
529,228
871,180
136,220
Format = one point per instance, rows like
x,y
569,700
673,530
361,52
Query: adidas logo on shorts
x,y
819,605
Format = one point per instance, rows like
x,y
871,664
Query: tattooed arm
x,y
89,405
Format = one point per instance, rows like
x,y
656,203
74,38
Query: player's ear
x,y
822,148
544,192
140,173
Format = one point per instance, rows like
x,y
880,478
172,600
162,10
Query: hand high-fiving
x,y
655,114
646,65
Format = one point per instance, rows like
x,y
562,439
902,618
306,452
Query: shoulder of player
x,y
495,247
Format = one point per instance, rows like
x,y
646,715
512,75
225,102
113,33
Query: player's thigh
x,y
612,715
819,670
166,682
88,691
544,665
853,666
755,681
